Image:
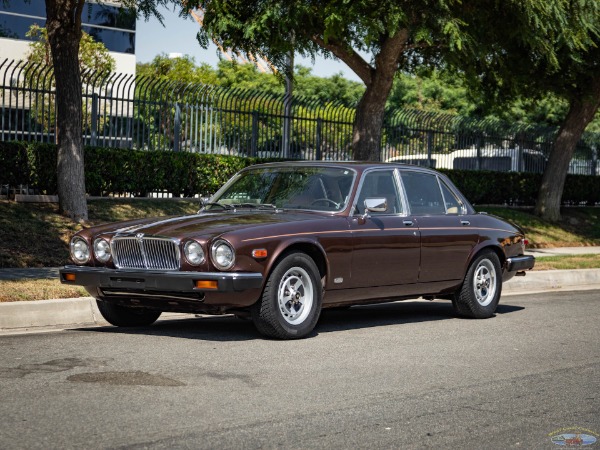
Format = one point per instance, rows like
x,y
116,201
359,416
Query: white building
x,y
104,21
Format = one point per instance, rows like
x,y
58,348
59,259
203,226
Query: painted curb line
x,y
73,312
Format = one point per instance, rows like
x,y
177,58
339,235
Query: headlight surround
x,y
102,250
223,254
80,250
194,253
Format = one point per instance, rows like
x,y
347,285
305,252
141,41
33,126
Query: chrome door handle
x,y
465,223
408,223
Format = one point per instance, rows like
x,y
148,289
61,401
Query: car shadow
x,y
230,328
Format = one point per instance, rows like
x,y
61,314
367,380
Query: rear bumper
x,y
176,282
518,263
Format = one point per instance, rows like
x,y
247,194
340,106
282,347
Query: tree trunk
x,y
581,112
64,34
366,136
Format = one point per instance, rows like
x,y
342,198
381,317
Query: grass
x,y
567,262
26,290
35,235
578,226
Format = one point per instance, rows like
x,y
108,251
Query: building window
x,y
111,25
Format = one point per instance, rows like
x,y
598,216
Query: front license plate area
x,y
128,282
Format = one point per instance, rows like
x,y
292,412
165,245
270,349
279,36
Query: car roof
x,y
357,165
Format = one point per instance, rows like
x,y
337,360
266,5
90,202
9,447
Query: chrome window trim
x,y
399,192
458,200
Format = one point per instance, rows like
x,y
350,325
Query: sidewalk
x,y
74,312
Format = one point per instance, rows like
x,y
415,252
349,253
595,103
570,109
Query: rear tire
x,y
480,292
291,300
122,316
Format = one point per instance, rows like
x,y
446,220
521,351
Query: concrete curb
x,y
65,313
74,312
544,280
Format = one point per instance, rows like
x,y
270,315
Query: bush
x,y
115,171
13,163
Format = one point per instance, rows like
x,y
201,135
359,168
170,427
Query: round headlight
x,y
80,250
223,255
194,253
101,250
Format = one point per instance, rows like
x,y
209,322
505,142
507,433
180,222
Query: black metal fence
x,y
144,113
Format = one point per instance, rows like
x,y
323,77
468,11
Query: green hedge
x,y
109,170
115,171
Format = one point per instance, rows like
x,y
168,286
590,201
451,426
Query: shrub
x,y
116,171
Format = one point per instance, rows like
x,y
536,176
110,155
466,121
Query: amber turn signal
x,y
207,284
69,276
259,253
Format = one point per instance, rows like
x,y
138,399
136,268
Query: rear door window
x,y
423,193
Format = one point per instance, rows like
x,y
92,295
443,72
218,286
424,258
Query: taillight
x,y
525,242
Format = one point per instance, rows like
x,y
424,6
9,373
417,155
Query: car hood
x,y
203,224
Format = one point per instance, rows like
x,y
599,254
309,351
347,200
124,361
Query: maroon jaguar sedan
x,y
279,242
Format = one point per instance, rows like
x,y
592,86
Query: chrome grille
x,y
145,253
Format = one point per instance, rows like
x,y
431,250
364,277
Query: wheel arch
x,y
312,249
485,246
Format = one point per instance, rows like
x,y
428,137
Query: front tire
x,y
480,292
122,316
291,301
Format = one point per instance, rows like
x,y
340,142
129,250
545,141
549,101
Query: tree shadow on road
x,y
230,328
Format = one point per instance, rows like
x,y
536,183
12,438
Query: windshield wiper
x,y
255,205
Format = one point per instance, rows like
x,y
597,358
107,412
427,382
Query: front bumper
x,y
519,263
160,281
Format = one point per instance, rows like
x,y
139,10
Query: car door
x,y
385,245
447,237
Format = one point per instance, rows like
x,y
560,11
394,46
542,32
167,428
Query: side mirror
x,y
376,205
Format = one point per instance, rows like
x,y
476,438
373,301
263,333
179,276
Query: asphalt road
x,y
402,375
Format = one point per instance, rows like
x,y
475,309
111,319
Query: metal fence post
x,y
478,162
429,148
94,124
594,161
319,154
177,127
254,138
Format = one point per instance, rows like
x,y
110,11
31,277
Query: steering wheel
x,y
326,200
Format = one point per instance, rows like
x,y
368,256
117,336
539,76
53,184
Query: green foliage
x,y
94,60
334,89
484,187
182,69
117,171
13,161
93,56
111,171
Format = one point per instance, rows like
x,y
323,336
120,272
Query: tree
x,y
376,38
63,24
579,84
94,60
564,65
389,32
182,69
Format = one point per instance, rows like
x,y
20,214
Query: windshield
x,y
312,188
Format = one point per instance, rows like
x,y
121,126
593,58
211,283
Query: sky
x,y
179,36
